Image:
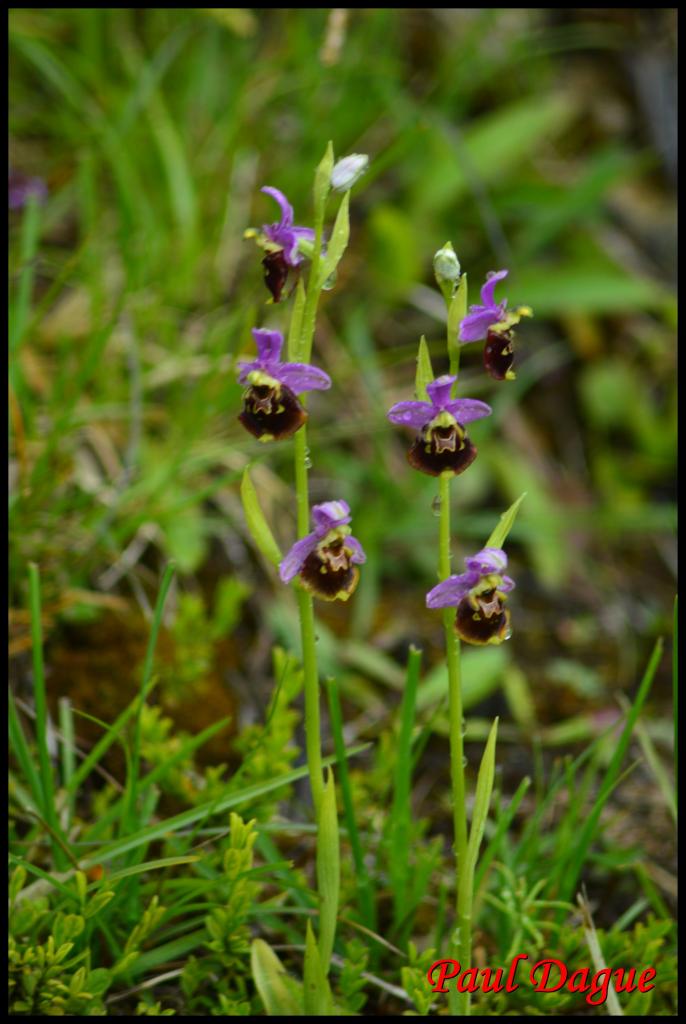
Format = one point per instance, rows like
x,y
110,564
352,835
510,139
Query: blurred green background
x,y
538,140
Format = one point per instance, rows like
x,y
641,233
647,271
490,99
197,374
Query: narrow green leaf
x,y
317,993
168,826
457,311
257,524
295,330
482,798
497,538
425,373
399,826
39,695
328,871
502,825
588,831
338,243
364,883
270,978
20,747
322,179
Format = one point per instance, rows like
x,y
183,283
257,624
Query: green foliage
x,y
268,748
50,969
414,978
224,968
351,982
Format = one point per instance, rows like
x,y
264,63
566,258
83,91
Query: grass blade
x,y
328,871
364,886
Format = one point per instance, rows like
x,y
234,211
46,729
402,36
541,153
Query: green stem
x,y
307,633
459,1001
313,292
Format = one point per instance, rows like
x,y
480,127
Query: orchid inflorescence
x,y
442,448
325,561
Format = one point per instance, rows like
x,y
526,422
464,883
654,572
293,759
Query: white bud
x,y
347,171
447,266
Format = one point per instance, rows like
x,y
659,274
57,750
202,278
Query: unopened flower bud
x,y
447,269
348,170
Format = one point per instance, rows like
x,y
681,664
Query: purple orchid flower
x,y
271,410
285,234
281,244
442,444
479,596
492,321
476,324
326,559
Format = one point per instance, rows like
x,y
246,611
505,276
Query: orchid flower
x,y
491,321
479,595
325,558
442,444
271,410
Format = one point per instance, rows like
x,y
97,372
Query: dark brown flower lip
x,y
442,449
499,355
483,619
328,572
276,271
271,412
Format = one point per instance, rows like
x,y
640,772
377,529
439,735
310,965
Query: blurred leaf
x,y
482,673
574,288
276,989
396,262
185,537
257,524
490,149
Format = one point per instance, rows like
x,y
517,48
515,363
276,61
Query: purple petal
x,y
306,233
487,292
465,410
475,326
293,562
302,377
487,561
450,592
269,344
245,369
328,515
358,554
507,585
411,414
439,390
286,208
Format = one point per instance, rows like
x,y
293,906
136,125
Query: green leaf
x,y
425,373
257,524
497,538
322,179
328,871
272,982
317,993
295,330
457,311
338,243
482,798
